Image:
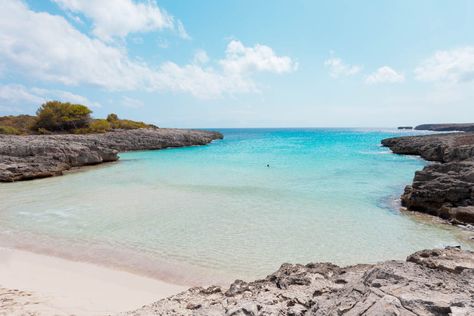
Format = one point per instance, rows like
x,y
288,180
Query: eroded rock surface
x,y
446,188
39,156
430,282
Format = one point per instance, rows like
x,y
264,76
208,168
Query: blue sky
x,y
246,63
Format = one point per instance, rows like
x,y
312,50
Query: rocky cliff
x,y
446,188
429,282
39,156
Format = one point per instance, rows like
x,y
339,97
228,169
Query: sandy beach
x,y
33,284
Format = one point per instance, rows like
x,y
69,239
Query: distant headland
x,y
63,135
446,127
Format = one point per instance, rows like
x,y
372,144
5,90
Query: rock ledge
x,y
39,156
430,282
446,188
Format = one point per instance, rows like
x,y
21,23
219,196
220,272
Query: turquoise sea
x,y
215,213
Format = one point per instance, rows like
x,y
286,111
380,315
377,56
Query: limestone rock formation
x,y
446,188
39,156
430,282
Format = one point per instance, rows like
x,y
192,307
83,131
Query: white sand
x,y
53,285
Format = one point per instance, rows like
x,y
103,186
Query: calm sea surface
x,y
217,212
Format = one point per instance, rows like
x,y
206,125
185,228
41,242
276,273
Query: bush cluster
x,y
95,126
16,125
58,116
8,130
117,123
64,117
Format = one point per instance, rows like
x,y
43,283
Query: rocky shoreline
x,y
429,282
39,156
444,188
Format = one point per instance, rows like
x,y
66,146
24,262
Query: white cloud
x,y
46,47
456,65
131,103
240,59
200,57
337,68
15,96
74,18
64,96
113,18
182,31
385,74
201,82
233,76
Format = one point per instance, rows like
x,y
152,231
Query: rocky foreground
x,y
38,156
446,188
429,282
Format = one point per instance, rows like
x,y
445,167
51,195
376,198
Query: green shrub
x,y
99,126
117,123
43,131
54,116
128,124
112,117
59,116
96,126
8,130
21,123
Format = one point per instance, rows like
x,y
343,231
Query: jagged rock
x,y
444,189
437,147
39,156
430,282
450,259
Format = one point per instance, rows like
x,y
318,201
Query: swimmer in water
x,y
268,166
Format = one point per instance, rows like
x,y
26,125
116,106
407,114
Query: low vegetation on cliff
x,y
55,117
16,125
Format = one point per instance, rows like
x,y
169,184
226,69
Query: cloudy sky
x,y
242,63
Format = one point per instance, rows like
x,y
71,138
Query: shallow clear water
x,y
217,212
